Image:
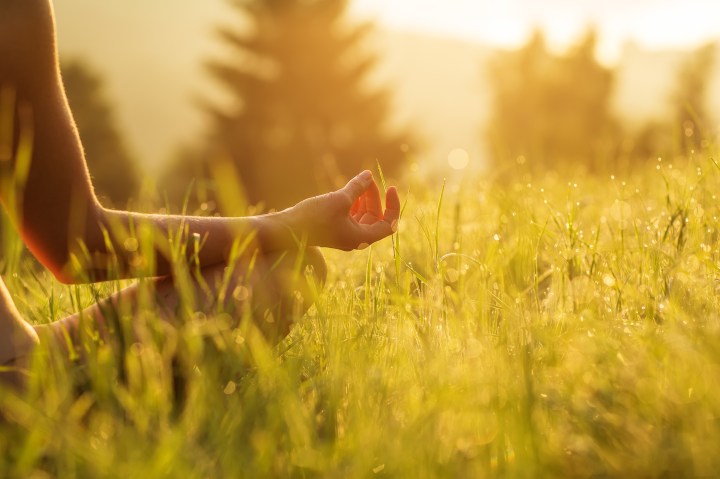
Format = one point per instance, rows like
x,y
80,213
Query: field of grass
x,y
543,327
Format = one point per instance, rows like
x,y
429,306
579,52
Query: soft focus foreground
x,y
554,326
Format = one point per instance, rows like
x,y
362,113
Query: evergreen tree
x,y
689,126
303,117
554,110
689,101
114,172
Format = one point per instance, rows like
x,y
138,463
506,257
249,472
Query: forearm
x,y
54,206
121,244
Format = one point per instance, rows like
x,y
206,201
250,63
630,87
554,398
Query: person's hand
x,y
349,218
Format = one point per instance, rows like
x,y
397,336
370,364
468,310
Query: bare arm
x,y
60,217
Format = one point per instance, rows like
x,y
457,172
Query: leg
x,y
277,288
17,340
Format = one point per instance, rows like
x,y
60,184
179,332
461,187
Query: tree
x,y
553,110
689,126
689,101
114,172
302,116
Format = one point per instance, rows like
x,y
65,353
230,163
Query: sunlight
x,y
656,24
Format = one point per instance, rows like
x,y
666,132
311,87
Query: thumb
x,y
358,185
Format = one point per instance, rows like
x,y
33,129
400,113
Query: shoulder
x,y
16,14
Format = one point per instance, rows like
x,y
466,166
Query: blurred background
x,y
280,99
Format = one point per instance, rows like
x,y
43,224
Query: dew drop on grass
x,y
131,245
241,293
230,388
452,275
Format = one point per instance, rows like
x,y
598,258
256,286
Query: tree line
x,y
302,115
555,110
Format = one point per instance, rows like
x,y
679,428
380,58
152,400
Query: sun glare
x,y
662,24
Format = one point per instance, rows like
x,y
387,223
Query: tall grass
x,y
552,327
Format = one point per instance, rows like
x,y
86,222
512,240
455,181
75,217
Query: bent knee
x,y
316,261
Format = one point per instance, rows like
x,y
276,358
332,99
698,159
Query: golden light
x,y
459,159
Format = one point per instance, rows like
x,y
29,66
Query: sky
x,y
651,23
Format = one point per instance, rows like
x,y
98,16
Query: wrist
x,y
276,231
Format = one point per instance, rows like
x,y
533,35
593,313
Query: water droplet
x,y
230,388
131,245
241,293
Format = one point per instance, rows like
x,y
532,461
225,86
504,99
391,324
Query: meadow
x,y
535,327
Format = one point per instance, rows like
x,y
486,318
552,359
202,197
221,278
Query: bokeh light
x,y
459,159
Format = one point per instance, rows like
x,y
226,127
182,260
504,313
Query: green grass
x,y
550,327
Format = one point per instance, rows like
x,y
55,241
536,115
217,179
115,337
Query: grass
x,y
550,327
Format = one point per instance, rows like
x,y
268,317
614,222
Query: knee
x,y
278,288
315,261
293,273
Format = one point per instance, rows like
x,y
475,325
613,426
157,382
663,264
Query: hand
x,y
349,218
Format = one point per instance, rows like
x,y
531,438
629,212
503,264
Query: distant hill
x,y
151,59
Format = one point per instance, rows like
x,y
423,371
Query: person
x,y
46,189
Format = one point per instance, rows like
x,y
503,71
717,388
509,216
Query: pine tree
x,y
553,110
303,117
690,125
689,100
114,172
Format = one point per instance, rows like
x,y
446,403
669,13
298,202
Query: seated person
x,y
69,232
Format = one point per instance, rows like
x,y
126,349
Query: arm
x,y
60,215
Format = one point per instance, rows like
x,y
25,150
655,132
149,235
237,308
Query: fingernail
x,y
394,226
366,175
362,246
